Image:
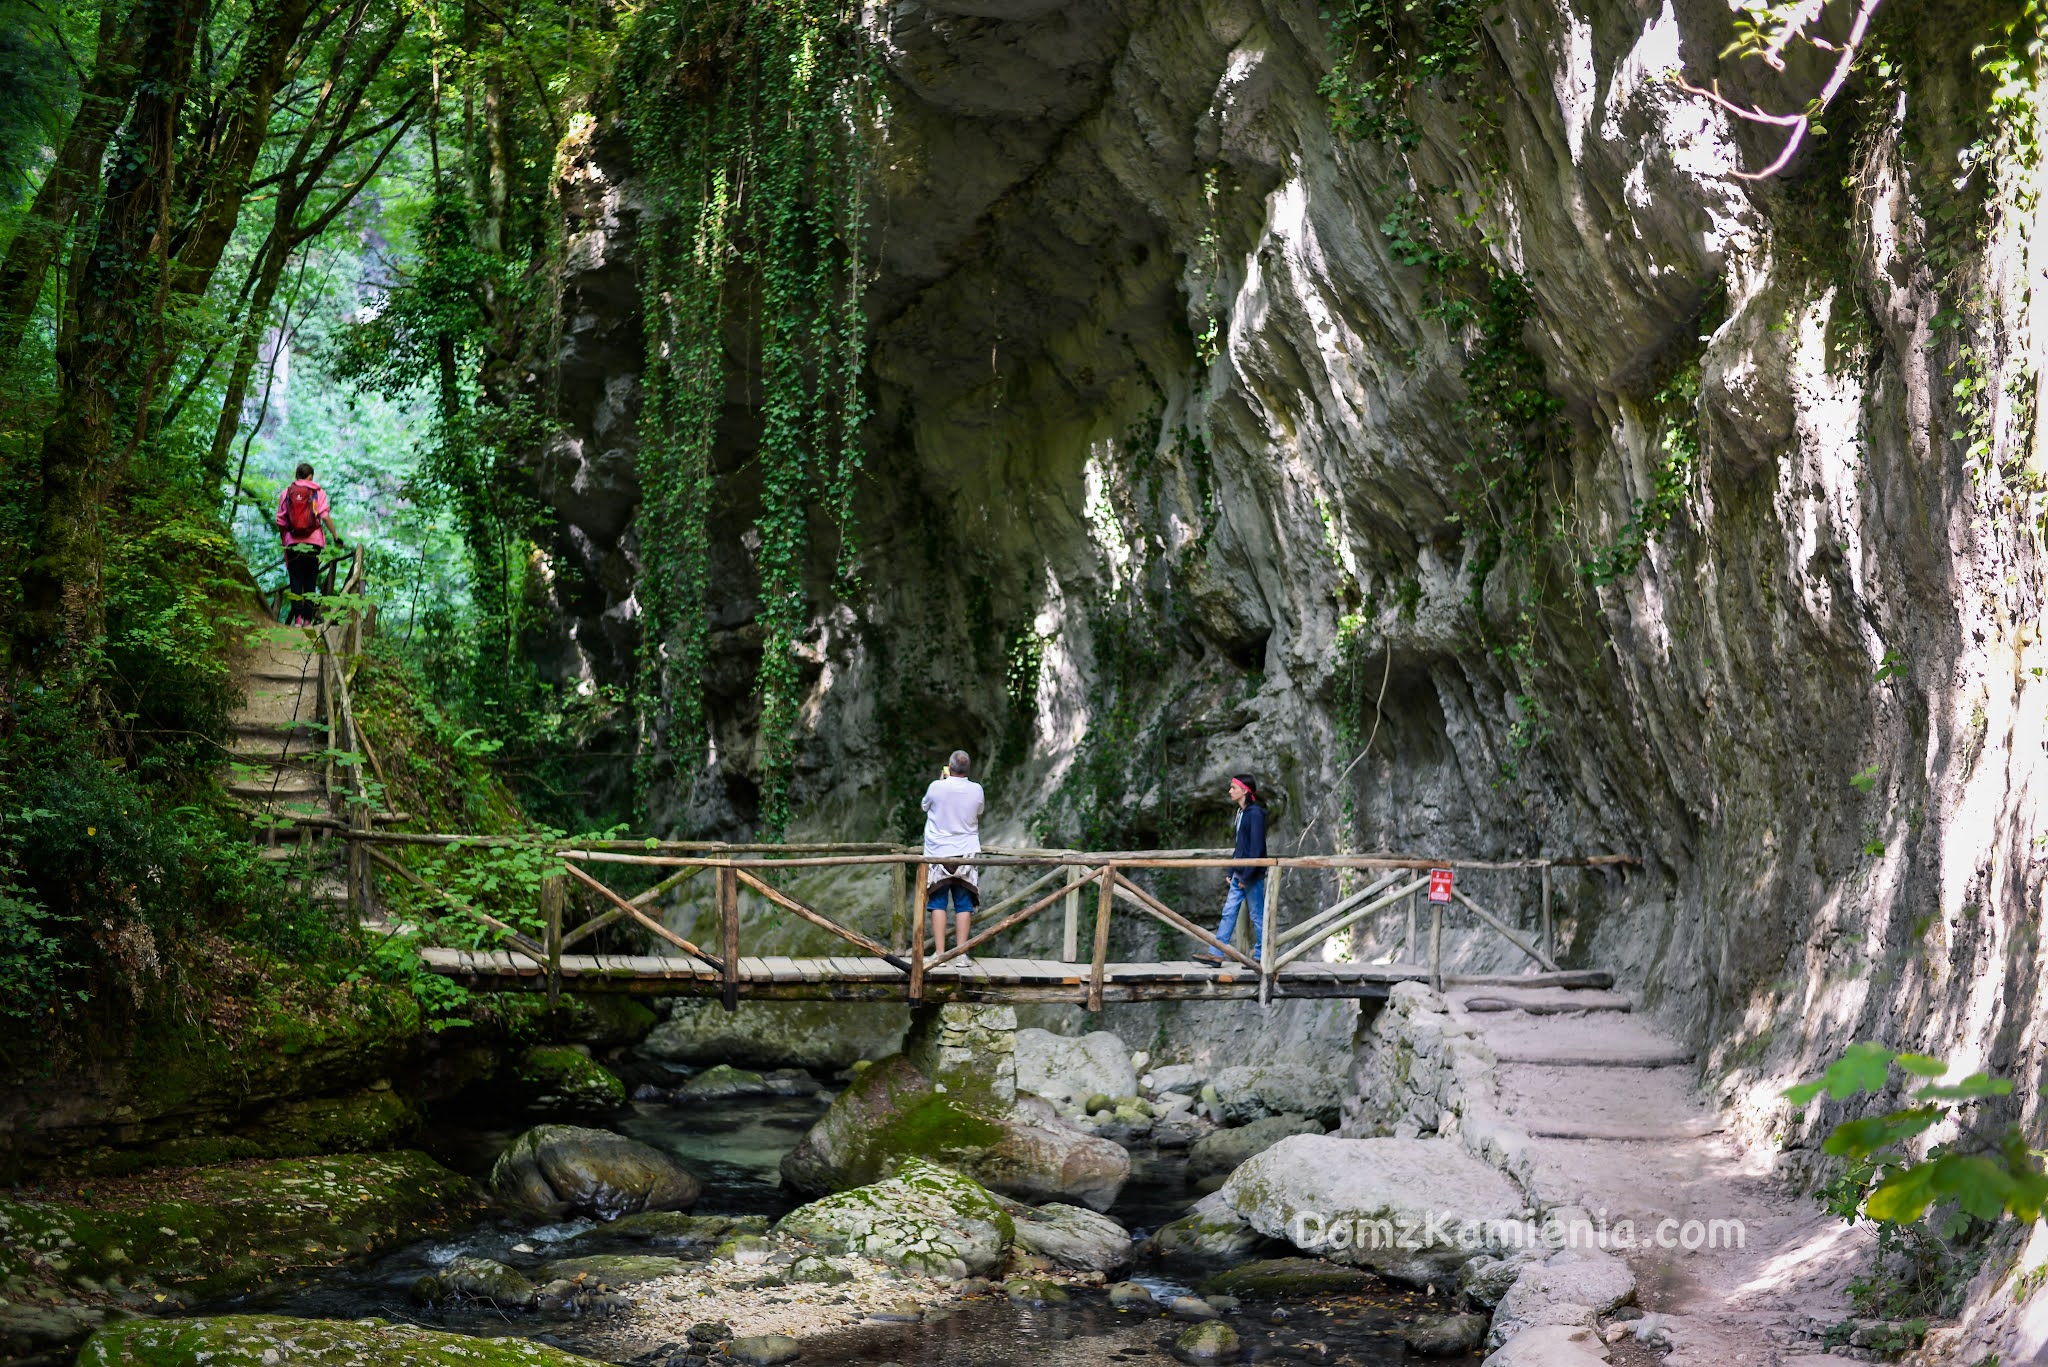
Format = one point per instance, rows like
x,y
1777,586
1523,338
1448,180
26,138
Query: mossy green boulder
x,y
482,1279
553,1171
275,1341
615,1269
1269,1277
564,1080
926,1219
892,1111
724,1080
209,1232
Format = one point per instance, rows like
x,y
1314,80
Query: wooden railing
x,y
1063,879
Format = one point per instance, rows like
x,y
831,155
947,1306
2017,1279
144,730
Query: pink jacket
x,y
317,537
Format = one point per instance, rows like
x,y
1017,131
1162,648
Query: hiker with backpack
x,y
303,527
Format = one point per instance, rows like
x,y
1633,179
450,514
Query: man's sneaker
x,y
1209,957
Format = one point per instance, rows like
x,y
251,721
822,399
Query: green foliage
x,y
1969,1182
34,88
1388,49
749,125
1671,481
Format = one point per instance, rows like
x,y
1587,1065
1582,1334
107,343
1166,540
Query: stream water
x,y
736,1146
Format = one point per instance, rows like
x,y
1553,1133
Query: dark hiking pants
x,y
302,563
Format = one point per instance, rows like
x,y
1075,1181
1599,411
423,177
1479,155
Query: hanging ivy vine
x,y
748,123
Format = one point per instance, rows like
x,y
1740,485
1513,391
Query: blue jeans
x,y
957,893
1238,895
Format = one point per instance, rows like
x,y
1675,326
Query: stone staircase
x,y
1598,1115
275,742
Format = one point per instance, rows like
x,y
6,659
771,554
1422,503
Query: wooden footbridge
x,y
1373,926
1383,925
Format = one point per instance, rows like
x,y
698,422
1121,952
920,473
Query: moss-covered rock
x,y
556,1170
673,1228
1214,1341
926,1219
615,1269
887,1111
215,1231
892,1111
269,1341
1269,1277
483,1279
1210,1234
566,1081
123,1080
724,1080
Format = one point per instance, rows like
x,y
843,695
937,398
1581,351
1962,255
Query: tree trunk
x,y
72,176
61,587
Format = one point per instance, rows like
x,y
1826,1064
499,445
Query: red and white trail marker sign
x,y
1439,885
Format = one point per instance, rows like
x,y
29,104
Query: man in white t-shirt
x,y
952,829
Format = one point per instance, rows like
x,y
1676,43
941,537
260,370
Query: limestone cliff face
x,y
1172,476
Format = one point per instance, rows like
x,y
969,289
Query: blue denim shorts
x,y
956,893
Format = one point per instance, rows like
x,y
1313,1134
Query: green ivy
x,y
748,123
1387,49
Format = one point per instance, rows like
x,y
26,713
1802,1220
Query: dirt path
x,y
1617,1128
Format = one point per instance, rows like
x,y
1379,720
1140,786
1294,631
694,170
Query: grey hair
x,y
958,763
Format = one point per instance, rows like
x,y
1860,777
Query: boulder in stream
x,y
1215,1156
557,1170
1269,1278
1072,1237
927,1219
896,1109
1211,1234
1253,1091
614,1269
481,1279
1412,1210
1067,1070
271,1340
558,1079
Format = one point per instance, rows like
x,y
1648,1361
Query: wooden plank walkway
x,y
981,980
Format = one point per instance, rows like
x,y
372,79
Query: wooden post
x,y
1549,939
898,877
729,921
918,915
1408,945
1436,946
1070,932
917,946
554,895
1268,929
1100,963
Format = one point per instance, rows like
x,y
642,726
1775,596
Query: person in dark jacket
x,y
1247,882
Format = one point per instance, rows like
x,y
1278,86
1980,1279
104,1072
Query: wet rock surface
x,y
554,1170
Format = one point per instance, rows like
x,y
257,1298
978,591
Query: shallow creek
x,y
736,1146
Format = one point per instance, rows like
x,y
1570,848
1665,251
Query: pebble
x,y
1226,1304
709,1331
1191,1308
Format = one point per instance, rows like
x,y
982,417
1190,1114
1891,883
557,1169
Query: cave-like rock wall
x,y
1172,471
